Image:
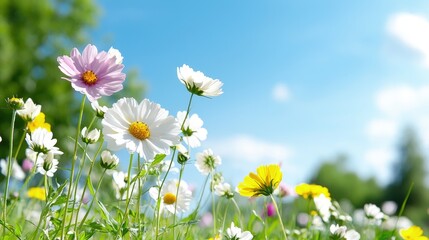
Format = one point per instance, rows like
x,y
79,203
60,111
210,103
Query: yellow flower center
x,y
169,198
89,77
139,130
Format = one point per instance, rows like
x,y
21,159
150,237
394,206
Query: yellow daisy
x,y
311,190
412,233
37,193
264,182
39,121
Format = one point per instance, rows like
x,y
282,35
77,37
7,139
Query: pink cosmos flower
x,y
93,73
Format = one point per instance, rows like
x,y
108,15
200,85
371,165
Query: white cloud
x,y
280,92
397,100
243,148
413,31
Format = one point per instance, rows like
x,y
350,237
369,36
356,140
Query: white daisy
x,y
17,171
197,83
323,206
235,233
171,197
91,136
48,166
341,232
108,160
143,127
113,52
207,162
29,111
41,141
192,128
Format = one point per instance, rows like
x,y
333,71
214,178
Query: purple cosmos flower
x,y
271,211
93,73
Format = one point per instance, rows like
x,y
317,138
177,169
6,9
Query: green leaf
x,y
158,158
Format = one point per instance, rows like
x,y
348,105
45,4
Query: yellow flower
x,y
39,121
37,193
412,233
311,190
264,182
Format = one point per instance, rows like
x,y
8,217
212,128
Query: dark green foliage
x,y
347,185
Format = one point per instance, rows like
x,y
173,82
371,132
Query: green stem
x,y
20,144
239,212
280,217
213,207
76,183
198,204
182,168
82,105
128,193
138,198
401,211
9,171
93,199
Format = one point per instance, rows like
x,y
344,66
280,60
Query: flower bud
x,y
91,136
108,160
15,103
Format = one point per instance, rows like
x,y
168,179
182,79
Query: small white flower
x,y
373,213
41,141
343,233
91,136
1,139
144,128
323,206
223,189
113,52
172,197
192,129
120,182
207,162
199,84
108,160
99,110
29,111
17,171
235,233
48,166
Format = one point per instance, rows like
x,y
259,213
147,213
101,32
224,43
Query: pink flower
x,y
92,73
271,211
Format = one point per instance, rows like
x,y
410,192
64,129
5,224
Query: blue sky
x,y
303,80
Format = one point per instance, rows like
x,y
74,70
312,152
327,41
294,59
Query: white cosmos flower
x,y
41,141
207,162
143,127
17,171
193,131
29,111
197,83
99,110
108,160
48,166
235,233
91,136
171,196
113,52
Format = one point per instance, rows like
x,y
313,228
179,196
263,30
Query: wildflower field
x,y
95,200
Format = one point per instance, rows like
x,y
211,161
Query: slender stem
x,y
20,144
187,111
82,105
9,171
213,207
76,183
280,217
182,168
401,211
158,201
138,198
239,212
93,199
199,203
224,218
128,192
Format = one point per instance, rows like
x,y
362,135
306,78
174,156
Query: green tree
x,y
410,169
346,185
